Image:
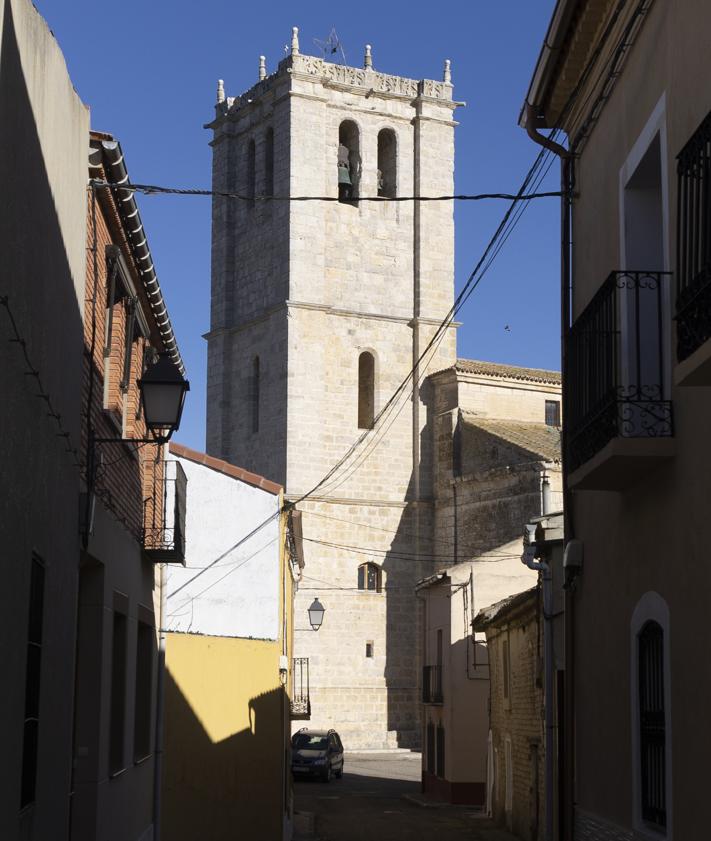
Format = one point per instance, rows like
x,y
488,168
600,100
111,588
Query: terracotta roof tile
x,y
225,467
505,609
514,372
537,438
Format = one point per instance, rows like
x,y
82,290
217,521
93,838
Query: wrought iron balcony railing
x,y
617,380
164,521
432,685
300,697
693,301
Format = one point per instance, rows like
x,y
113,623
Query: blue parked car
x,y
316,753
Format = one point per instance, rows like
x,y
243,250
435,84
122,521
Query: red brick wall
x,y
126,473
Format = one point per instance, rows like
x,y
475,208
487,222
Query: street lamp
x,y
316,612
162,389
163,392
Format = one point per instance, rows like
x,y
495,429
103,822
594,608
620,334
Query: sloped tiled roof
x,y
513,372
507,608
539,439
225,467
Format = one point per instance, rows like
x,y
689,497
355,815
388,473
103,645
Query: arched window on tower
x,y
370,577
269,162
387,163
366,390
348,161
254,394
251,172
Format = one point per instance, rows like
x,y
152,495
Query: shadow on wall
x,y
41,512
234,788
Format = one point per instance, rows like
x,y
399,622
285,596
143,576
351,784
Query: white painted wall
x,y
238,596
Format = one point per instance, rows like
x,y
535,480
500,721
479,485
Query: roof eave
x,y
553,43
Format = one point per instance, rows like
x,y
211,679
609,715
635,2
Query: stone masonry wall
x,y
308,289
520,720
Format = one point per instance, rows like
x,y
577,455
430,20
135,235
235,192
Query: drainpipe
x,y
567,777
530,552
160,693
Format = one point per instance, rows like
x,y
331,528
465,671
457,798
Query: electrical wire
x,y
224,554
42,393
154,189
399,533
495,244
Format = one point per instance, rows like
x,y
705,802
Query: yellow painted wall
x,y
224,739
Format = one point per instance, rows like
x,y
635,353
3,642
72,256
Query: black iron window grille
x,y
300,697
164,524
652,728
432,685
617,366
693,301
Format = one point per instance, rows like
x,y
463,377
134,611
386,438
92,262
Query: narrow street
x,y
377,800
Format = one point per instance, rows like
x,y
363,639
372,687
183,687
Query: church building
x,y
325,294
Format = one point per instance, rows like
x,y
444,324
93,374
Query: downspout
x,y
567,777
527,558
160,694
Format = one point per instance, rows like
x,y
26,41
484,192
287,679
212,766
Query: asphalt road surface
x,y
370,804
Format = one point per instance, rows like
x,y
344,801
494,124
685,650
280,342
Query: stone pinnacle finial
x,y
447,72
368,59
220,91
262,67
294,40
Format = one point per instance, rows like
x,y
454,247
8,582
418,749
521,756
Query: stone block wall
x,y
518,719
307,287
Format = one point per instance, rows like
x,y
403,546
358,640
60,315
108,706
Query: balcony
x,y
300,698
164,517
432,685
693,301
620,423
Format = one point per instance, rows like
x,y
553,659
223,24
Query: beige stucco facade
x,y
492,451
638,505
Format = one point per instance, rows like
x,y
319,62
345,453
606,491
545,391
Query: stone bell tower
x,y
320,309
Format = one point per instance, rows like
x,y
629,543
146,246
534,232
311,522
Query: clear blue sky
x,y
148,69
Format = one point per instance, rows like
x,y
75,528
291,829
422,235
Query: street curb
x,y
380,751
420,800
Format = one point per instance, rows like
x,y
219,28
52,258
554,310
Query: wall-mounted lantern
x,y
316,612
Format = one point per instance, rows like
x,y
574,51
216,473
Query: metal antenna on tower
x,y
331,46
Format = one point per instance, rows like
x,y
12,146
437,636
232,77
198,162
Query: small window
x,y
118,692
552,413
366,390
145,646
33,670
348,162
251,173
254,395
369,649
387,172
269,162
369,577
652,724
